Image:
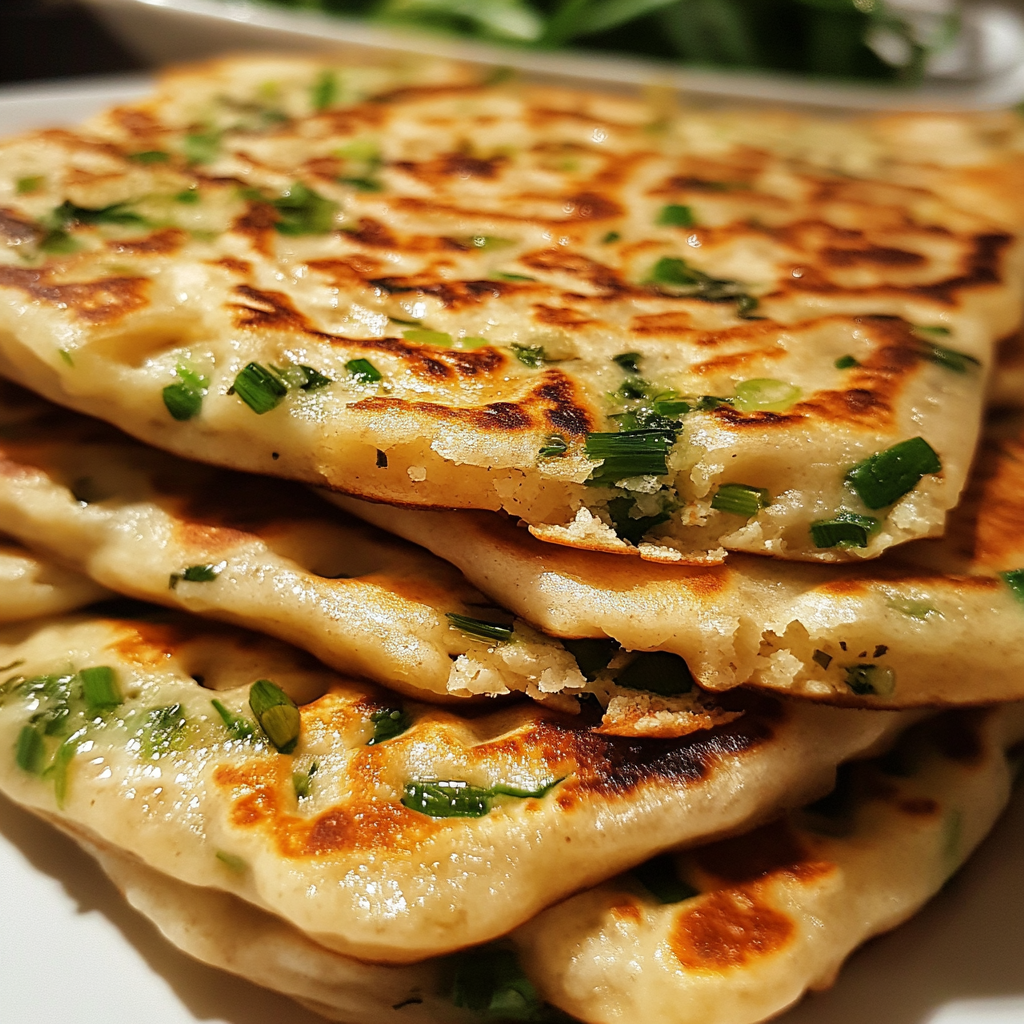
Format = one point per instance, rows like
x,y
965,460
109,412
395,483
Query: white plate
x,y
73,952
176,30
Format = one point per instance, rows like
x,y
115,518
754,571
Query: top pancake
x,y
435,278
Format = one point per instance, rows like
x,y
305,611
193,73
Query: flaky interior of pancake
x,y
422,290
162,735
937,622
735,932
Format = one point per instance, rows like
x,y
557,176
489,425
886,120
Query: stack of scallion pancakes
x,y
652,633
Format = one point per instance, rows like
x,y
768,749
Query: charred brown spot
x,y
371,232
560,316
15,228
676,322
728,929
160,243
101,301
626,912
577,265
919,807
134,121
878,255
235,266
770,849
430,361
265,310
148,643
592,206
452,294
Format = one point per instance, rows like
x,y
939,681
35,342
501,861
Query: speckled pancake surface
x,y
643,330
937,622
326,813
735,932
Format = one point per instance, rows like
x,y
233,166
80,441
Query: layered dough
x,y
449,289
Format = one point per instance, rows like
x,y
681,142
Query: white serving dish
x,y
163,31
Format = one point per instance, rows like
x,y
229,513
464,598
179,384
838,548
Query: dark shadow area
x,y
56,39
208,994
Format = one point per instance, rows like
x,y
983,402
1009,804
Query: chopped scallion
x,y
259,388
740,499
656,672
878,680
846,363
184,398
628,526
489,982
302,782
364,371
529,355
99,688
950,358
553,446
303,212
675,216
423,336
387,724
479,628
277,714
1014,579
231,861
206,573
164,730
846,530
324,91
886,476
29,750
629,361
32,183
592,655
201,147
150,156
629,453
452,798
611,236
238,727
765,395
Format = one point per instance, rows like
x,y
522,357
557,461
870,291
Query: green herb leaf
x,y
886,476
277,714
612,236
529,355
846,530
628,453
301,376
629,361
674,274
25,186
950,358
675,216
181,401
150,156
863,680
660,878
502,275
452,798
58,243
29,750
553,446
741,499
259,388
765,395
324,91
1014,579
423,336
480,629
68,213
845,363
189,195
387,724
99,688
304,212
238,727
164,730
206,573
302,782
364,371
592,655
656,672
630,527
202,147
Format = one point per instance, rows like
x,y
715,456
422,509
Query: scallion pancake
x,y
30,587
643,330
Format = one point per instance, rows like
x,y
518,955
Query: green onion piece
x,y
1014,579
480,629
231,861
364,371
58,770
675,274
670,404
277,714
298,375
70,213
846,363
629,453
314,379
745,305
238,726
201,147
32,183
324,91
529,355
362,184
189,195
503,275
99,687
58,243
765,395
707,402
592,655
553,446
302,782
259,388
303,211
181,401
629,361
197,574
447,799
950,358
671,270
490,983
661,879
847,530
887,475
423,336
387,724
630,527
937,331
150,156
29,751
164,730
675,216
863,680
656,672
741,499
822,659
612,236
913,609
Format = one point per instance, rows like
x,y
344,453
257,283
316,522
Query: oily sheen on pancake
x,y
753,922
449,294
937,622
327,814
